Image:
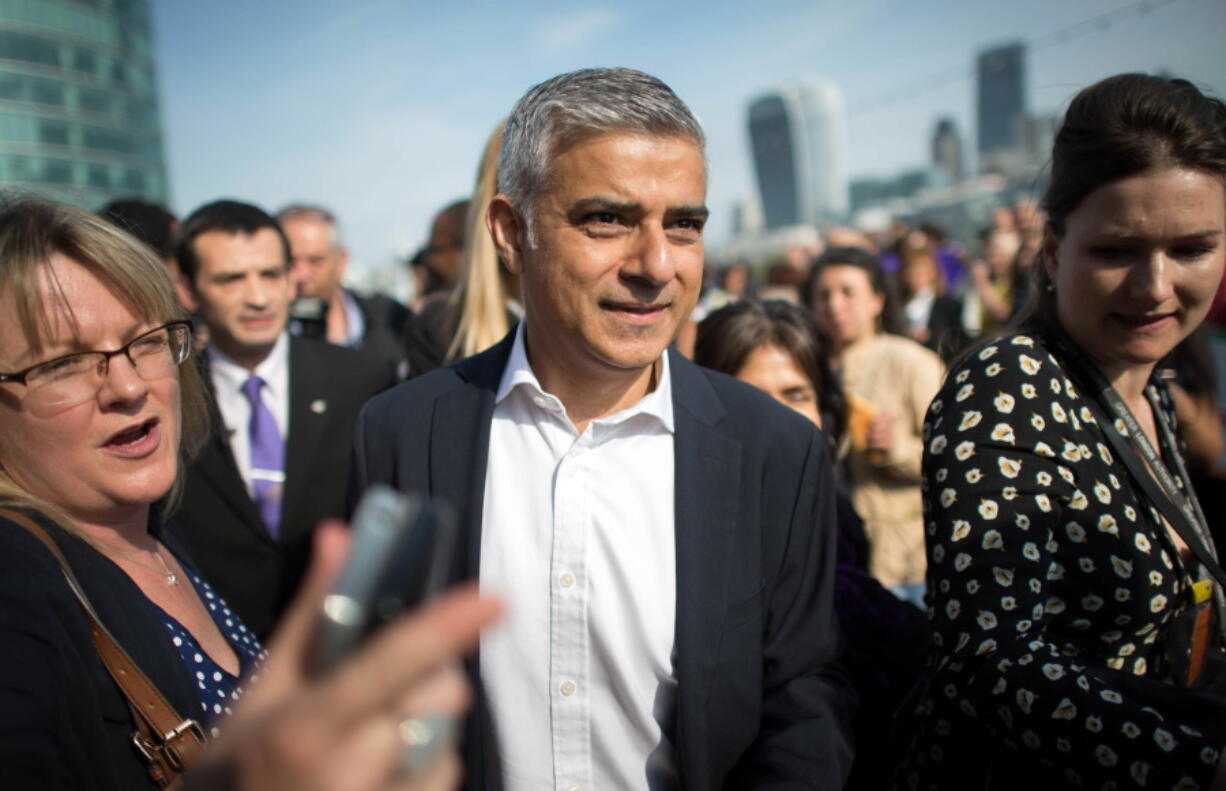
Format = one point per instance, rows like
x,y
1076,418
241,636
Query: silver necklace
x,y
171,577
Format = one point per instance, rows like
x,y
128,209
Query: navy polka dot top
x,y
217,689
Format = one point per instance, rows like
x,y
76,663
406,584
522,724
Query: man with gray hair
x,y
375,324
663,536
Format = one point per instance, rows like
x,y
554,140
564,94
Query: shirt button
x,y
568,688
567,579
541,401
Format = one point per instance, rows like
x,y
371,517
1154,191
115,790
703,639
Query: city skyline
x,y
379,109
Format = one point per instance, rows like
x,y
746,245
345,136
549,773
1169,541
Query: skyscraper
x,y
798,136
947,149
79,118
1001,106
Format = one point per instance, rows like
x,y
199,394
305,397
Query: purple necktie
x,y
267,456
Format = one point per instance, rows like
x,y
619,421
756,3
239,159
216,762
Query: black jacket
x,y
760,702
63,722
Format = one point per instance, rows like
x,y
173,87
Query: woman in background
x,y
888,380
775,346
930,315
992,298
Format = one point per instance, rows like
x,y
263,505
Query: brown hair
x,y
31,231
727,336
889,320
1120,127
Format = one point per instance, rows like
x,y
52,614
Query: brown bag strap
x,y
168,741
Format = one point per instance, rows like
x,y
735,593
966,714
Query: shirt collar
x,y
273,369
355,322
518,374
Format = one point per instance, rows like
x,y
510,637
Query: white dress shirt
x,y
355,322
577,539
918,309
228,377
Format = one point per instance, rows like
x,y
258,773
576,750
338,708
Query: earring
x,y
1050,288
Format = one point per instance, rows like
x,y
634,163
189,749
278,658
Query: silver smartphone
x,y
400,556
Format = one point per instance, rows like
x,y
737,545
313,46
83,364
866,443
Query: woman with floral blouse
x,y
1058,580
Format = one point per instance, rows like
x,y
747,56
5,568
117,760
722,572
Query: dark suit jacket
x,y
946,335
386,323
63,722
217,519
430,331
760,704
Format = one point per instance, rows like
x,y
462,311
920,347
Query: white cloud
x,y
572,32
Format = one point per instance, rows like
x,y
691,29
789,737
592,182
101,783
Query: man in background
x,y
375,324
443,255
438,267
277,460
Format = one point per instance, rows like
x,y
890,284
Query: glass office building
x,y
79,117
1001,100
797,134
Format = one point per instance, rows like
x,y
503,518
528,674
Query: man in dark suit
x,y
376,324
663,535
253,498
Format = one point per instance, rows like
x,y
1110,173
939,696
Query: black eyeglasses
x,y
56,385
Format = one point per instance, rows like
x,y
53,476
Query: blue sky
x,y
380,108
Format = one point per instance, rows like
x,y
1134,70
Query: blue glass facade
x,y
79,118
771,135
1001,94
796,133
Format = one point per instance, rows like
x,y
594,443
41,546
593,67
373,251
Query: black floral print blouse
x,y
1052,586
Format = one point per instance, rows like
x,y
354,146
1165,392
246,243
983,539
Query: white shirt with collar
x,y
355,322
577,538
228,377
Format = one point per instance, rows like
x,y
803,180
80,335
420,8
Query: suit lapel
x,y
459,456
460,444
307,386
707,488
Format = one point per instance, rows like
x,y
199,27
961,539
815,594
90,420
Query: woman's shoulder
x,y
1010,360
29,568
34,595
21,551
1014,391
1010,376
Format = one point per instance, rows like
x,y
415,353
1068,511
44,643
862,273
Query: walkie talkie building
x,y
798,136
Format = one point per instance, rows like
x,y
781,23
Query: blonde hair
x,y
31,231
482,294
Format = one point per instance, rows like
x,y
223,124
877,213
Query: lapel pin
x,y
319,406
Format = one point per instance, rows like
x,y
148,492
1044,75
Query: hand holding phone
x,y
400,557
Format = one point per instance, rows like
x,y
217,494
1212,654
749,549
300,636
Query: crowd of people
x,y
900,512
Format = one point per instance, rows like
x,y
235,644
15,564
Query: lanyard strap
x,y
1179,506
167,741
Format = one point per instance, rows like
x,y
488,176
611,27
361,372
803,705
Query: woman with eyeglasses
x,y
97,415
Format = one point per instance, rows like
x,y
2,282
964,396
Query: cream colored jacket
x,y
898,376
